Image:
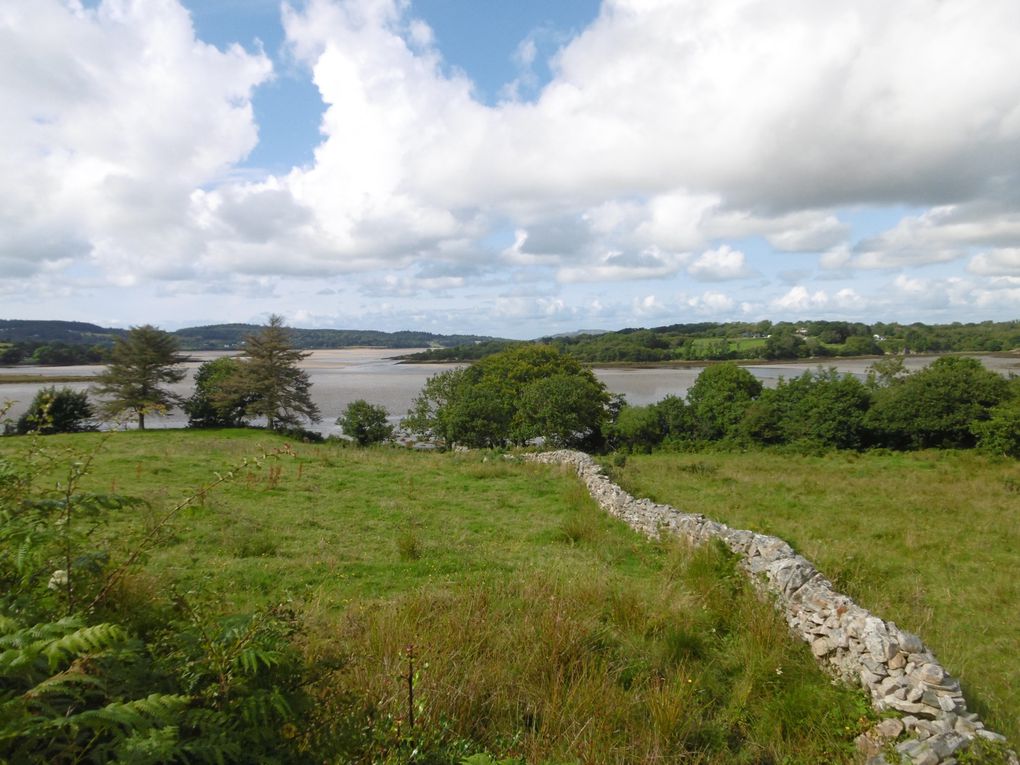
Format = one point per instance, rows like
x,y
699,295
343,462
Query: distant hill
x,y
227,336
71,332
218,336
712,341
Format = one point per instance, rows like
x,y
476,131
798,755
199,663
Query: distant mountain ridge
x,y
228,336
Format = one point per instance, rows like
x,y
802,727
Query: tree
x,y
523,393
213,404
365,423
57,411
269,379
1000,433
719,398
140,363
785,344
937,406
821,407
637,429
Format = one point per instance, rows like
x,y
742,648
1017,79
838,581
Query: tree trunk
x,y
141,420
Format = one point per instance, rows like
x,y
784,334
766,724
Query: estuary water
x,y
341,376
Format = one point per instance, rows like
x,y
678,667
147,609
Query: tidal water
x,y
341,376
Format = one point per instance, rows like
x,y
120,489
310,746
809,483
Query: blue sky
x,y
509,168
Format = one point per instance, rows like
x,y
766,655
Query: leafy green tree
x,y
429,415
719,398
822,407
365,423
676,419
141,363
860,345
525,392
215,404
563,409
937,406
785,344
269,379
637,429
57,411
1000,433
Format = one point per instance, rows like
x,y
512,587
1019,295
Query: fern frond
x,y
85,640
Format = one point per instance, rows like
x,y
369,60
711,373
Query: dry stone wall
x,y
893,665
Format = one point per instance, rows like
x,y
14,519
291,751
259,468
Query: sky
x,y
514,168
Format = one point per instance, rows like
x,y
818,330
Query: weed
x,y
410,545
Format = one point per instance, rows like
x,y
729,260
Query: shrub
x,y
366,423
57,411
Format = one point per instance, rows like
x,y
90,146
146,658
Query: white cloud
x,y
112,117
798,299
721,264
712,303
669,127
999,262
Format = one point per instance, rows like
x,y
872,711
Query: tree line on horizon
x,y
532,393
712,341
57,343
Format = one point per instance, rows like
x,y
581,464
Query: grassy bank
x,y
540,628
29,379
930,540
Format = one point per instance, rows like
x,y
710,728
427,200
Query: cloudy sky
x,y
509,167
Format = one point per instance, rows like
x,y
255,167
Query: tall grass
x,y
540,627
928,539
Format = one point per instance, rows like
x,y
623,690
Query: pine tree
x,y
269,377
140,363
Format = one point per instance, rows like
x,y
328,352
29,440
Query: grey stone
x,y
889,728
946,703
931,674
821,646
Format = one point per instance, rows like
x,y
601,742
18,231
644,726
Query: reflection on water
x,y
341,376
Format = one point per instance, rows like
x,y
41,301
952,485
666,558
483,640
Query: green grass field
x,y
541,628
930,540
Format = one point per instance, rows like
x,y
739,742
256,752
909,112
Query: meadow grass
x,y
930,540
541,628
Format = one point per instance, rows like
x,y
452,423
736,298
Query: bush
x,y
57,411
366,423
213,405
937,406
719,398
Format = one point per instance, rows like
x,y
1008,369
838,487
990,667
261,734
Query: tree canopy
x,y
523,393
141,363
214,404
366,423
938,405
269,379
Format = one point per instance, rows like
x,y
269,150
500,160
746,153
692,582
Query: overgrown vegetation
x,y
296,612
953,403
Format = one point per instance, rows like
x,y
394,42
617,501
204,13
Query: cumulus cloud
x,y
668,128
720,264
999,262
112,116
